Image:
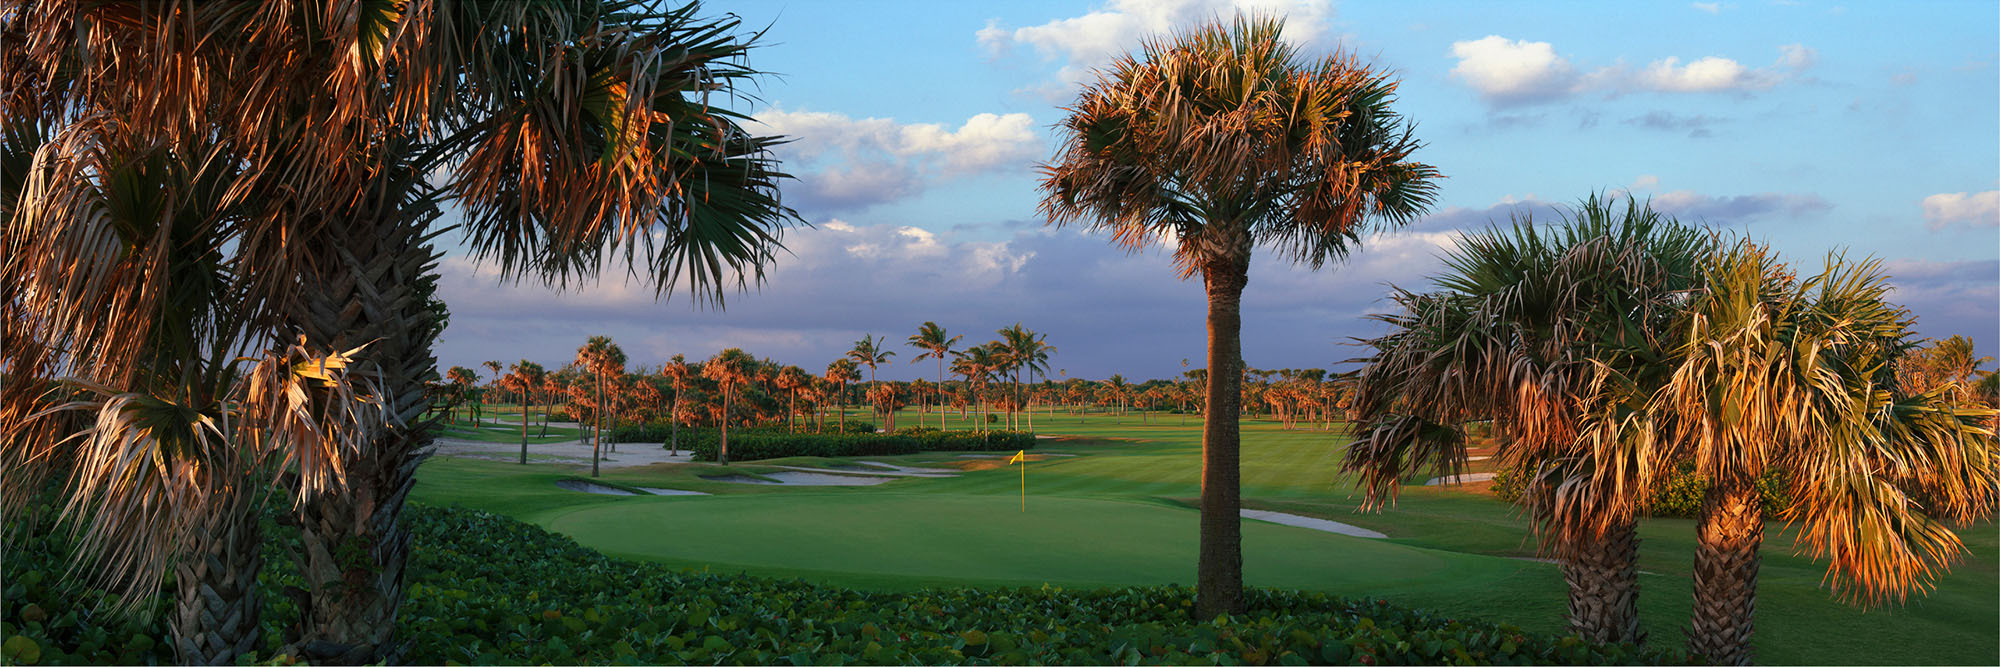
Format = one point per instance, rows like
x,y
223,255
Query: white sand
x,y
592,487
800,477
669,492
1312,523
628,455
1467,478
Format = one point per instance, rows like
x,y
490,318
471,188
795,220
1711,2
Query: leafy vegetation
x,y
1678,495
487,589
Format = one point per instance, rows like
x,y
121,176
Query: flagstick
x,y
1024,485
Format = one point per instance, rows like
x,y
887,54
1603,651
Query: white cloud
x,y
1084,42
846,163
1507,72
1709,7
1644,182
1978,209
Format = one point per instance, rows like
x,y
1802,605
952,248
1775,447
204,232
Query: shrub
x,y
1679,496
486,589
661,432
752,446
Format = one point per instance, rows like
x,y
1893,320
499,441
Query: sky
x,y
1870,129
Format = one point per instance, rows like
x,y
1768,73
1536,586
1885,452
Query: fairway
x,y
1059,541
1114,506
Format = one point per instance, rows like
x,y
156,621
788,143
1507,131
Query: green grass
x,y
1118,513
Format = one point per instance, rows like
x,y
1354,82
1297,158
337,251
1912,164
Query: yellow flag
x,y
1019,456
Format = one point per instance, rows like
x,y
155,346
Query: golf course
x,y
1109,501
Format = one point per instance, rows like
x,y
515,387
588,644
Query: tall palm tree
x,y
937,344
526,376
1221,138
493,371
791,380
976,365
729,370
600,357
1773,373
677,371
568,133
1027,352
841,372
1118,389
463,380
1525,326
867,352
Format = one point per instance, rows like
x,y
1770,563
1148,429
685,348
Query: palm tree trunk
x,y
524,428
1725,574
371,284
1603,578
674,424
723,449
217,605
1219,572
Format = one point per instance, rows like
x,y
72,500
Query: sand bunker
x,y
1312,523
592,487
669,492
803,478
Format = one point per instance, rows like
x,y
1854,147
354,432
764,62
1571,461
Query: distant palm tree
x,y
1027,352
601,358
1221,138
839,373
1119,390
677,371
935,343
791,380
463,380
492,371
526,376
729,372
1798,376
867,352
976,365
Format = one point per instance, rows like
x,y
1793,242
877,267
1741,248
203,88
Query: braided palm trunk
x,y
372,287
1603,578
1725,574
217,609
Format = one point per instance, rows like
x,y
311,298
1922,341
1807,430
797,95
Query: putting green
x,y
1060,541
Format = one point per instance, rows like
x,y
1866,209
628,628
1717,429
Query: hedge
x,y
661,433
752,446
1680,496
486,589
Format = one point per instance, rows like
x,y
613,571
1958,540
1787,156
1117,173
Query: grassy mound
x,y
487,589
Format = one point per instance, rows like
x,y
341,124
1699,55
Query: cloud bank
x,y
849,164
1509,73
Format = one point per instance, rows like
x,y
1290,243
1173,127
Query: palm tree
x,y
525,377
1118,389
1027,352
1772,373
728,370
976,364
493,370
1518,334
124,321
935,343
867,352
329,136
600,357
1222,138
841,372
677,371
791,379
463,380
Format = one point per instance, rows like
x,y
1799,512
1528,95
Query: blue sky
x,y
1819,127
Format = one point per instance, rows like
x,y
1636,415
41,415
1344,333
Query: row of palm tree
x,y
1621,343
293,158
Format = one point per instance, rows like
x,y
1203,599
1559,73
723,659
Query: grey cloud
x,y
1697,126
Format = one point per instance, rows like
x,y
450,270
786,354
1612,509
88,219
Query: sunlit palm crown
x,y
1223,137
